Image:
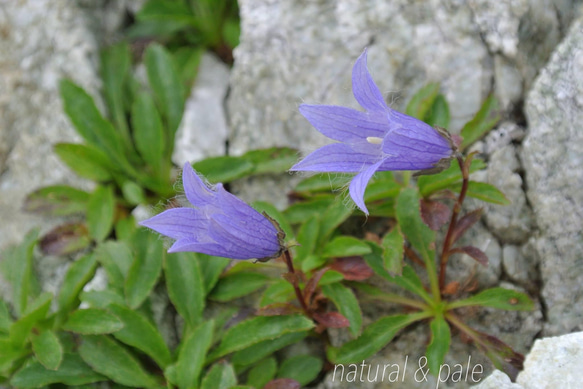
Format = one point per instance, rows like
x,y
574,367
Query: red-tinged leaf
x,y
434,213
331,319
278,309
283,383
468,220
502,355
352,268
473,252
312,284
451,288
65,239
457,140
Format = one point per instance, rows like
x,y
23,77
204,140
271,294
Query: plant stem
x,y
453,221
294,281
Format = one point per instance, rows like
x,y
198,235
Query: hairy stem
x,y
453,221
294,281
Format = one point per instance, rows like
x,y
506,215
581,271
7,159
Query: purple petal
x,y
344,124
178,223
243,245
336,157
364,89
237,209
204,248
196,190
358,185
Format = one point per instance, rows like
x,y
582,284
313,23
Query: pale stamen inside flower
x,y
374,140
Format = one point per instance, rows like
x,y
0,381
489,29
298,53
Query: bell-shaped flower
x,y
377,139
219,224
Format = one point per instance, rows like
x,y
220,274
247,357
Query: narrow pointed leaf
x,y
439,346
185,286
237,285
56,200
345,246
499,298
438,115
100,213
422,101
220,376
307,238
347,304
5,318
192,356
485,192
447,179
48,349
393,252
116,258
211,268
486,118
223,169
144,272
465,223
148,131
87,161
92,321
473,252
260,350
302,368
262,373
36,311
271,160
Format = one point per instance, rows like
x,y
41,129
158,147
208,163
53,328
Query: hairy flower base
x,y
220,224
378,139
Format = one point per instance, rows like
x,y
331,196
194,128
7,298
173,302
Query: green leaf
x,y
48,349
144,272
115,71
133,193
331,277
345,246
439,346
262,373
102,298
92,321
72,372
220,376
65,239
100,213
79,273
258,351
87,161
37,311
446,179
231,32
211,268
393,251
323,182
499,298
312,262
5,318
175,12
346,303
302,211
11,356
373,339
271,160
116,258
258,329
334,215
307,238
57,200
422,101
275,214
280,291
485,192
125,228
138,332
185,285
302,368
223,169
167,88
18,268
107,357
486,118
438,115
192,355
237,285
148,132
187,60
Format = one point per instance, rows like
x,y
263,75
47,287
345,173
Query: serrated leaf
x,y
192,355
223,169
253,331
237,285
345,246
446,179
140,333
100,213
302,368
262,373
220,376
422,101
92,321
65,239
486,118
499,298
465,222
57,200
485,192
48,349
185,285
393,251
346,303
72,372
35,312
144,272
279,291
434,213
107,357
87,161
438,115
79,273
148,132
271,160
439,346
168,90
473,252
372,340
258,351
353,268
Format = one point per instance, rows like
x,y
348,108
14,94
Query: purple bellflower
x,y
378,139
220,224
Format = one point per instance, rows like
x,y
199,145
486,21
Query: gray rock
x,y
497,380
552,160
520,264
553,363
203,131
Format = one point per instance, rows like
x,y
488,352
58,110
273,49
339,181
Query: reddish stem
x,y
290,267
453,221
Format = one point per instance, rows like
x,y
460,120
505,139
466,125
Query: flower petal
x,y
364,89
204,248
239,244
344,124
336,157
196,190
358,185
178,223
